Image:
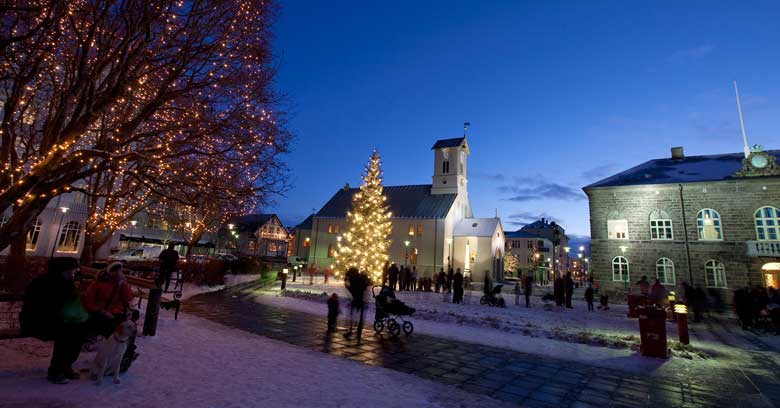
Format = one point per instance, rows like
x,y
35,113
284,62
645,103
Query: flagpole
x,y
741,122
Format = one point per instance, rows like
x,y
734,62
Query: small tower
x,y
449,166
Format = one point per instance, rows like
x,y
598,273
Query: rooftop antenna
x,y
741,122
465,126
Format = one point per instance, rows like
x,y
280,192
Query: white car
x,y
146,253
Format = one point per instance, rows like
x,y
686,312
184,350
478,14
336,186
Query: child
x,y
333,311
589,297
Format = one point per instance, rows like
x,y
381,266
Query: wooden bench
x,y
141,288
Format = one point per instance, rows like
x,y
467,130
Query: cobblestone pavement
x,y
521,378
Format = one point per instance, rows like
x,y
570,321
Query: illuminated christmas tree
x,y
366,241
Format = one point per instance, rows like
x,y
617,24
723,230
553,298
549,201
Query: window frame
x,y
668,268
613,222
717,224
661,226
33,235
67,233
616,261
715,266
419,230
760,221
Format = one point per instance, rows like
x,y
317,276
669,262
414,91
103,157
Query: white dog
x,y
110,352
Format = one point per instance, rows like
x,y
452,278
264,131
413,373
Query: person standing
x,y
457,287
52,310
169,263
356,283
657,293
558,291
450,276
333,311
528,286
644,286
393,276
568,289
385,272
589,297
413,281
441,280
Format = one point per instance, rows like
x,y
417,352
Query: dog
x,y
110,352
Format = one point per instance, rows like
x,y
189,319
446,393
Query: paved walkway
x,y
521,378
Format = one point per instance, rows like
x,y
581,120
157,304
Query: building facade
x,y
533,253
712,221
432,224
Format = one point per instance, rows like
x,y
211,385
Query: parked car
x,y
227,257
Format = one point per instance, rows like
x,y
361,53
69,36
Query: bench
x,y
141,288
10,306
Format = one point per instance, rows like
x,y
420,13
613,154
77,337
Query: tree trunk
x,y
17,275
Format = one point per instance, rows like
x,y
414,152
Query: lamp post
x,y
623,249
566,250
63,210
132,228
449,253
406,252
308,248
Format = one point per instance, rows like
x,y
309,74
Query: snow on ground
x,y
574,335
191,290
193,363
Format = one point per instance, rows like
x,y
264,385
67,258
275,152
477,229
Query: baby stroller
x,y
493,298
389,310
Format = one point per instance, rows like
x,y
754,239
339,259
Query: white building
x,y
433,224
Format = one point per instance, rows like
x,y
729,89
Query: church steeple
x,y
449,166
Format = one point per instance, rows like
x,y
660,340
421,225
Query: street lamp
x,y
449,253
406,253
231,226
582,248
132,227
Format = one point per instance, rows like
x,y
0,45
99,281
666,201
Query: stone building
x,y
712,221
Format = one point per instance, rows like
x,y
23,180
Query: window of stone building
x,y
445,166
620,269
70,235
715,274
411,230
33,234
660,225
413,257
419,230
331,251
617,229
767,224
664,271
709,225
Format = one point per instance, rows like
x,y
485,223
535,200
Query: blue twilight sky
x,y
559,94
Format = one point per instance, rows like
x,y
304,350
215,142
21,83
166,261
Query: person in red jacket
x,y
107,299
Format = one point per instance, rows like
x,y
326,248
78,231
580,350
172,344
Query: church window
x,y
331,251
419,230
445,166
411,230
708,225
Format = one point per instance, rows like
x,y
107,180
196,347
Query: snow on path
x,y
622,359
194,363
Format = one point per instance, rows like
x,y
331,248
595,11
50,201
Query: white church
x,y
433,224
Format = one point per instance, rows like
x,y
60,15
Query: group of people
x,y
401,278
54,310
756,305
563,290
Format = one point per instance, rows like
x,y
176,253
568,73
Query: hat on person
x,y
114,266
62,264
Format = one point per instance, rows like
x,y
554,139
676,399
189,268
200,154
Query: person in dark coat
x,y
169,263
558,291
441,281
333,311
568,289
450,276
385,272
407,278
52,310
356,283
393,272
699,303
743,306
589,297
457,287
401,277
528,287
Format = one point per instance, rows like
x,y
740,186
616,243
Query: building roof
x,y
690,169
251,222
476,227
522,234
442,143
305,224
414,201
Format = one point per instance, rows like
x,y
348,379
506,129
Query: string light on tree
x,y
365,244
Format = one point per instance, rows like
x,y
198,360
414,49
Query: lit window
x,y
768,224
331,251
413,257
33,234
660,225
620,269
411,230
251,245
330,228
664,271
70,235
419,230
715,274
617,229
336,228
272,247
708,225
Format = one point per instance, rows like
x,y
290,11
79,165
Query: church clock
x,y
758,164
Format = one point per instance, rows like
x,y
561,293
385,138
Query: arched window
x,y
715,274
411,230
664,271
767,224
413,256
617,226
620,269
331,251
709,226
660,225
70,235
33,234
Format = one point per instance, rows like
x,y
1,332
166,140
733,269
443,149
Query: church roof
x,y
442,143
476,227
414,201
690,169
522,234
305,224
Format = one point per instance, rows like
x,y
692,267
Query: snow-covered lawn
x,y
193,363
191,290
600,338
